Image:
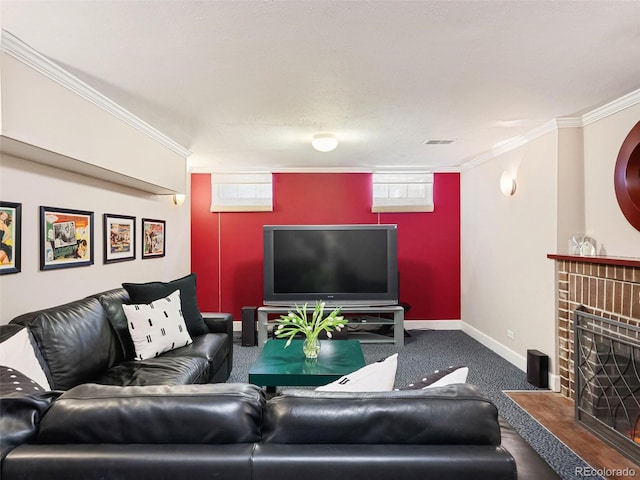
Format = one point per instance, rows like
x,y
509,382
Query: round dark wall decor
x,y
626,177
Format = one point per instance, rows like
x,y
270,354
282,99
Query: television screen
x,y
340,264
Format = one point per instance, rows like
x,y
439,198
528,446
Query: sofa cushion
x,y
148,292
376,377
20,418
452,415
214,347
184,414
157,371
17,352
75,340
157,327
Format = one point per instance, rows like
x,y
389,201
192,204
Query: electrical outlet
x,y
510,334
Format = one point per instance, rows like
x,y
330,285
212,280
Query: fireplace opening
x,y
607,376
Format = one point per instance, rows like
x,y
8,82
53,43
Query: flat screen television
x,y
341,264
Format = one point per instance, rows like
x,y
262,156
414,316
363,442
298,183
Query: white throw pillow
x,y
17,352
157,327
377,377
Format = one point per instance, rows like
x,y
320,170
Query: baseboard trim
x,y
515,358
432,324
511,356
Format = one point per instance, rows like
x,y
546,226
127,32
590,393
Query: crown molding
x,y
416,168
206,169
428,169
569,122
599,113
611,108
19,50
12,45
512,144
322,170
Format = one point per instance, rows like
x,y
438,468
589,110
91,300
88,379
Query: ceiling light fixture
x,y
324,142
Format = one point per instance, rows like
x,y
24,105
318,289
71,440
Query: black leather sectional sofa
x,y
110,417
87,341
230,432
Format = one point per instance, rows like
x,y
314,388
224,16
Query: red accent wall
x,y
205,260
226,248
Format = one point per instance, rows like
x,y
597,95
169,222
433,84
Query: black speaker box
x,y
249,332
537,369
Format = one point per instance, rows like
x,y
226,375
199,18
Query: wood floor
x,y
556,414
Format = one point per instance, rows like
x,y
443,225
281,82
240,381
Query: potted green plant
x,y
298,322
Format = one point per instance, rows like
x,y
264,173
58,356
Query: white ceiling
x,y
245,84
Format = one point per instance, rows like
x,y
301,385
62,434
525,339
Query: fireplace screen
x,y
607,380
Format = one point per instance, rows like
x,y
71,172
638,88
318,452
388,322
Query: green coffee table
x,y
279,366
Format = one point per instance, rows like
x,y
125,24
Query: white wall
x,y
604,219
507,281
565,186
571,191
33,185
50,116
57,113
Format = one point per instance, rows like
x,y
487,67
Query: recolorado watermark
x,y
605,472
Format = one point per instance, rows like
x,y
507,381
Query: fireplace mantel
x,y
598,259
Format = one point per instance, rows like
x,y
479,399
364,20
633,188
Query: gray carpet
x,y
428,350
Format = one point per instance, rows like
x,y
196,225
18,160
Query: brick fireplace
x,y
599,300
608,287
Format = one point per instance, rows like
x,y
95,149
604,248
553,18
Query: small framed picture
x,y
153,238
119,233
66,238
10,237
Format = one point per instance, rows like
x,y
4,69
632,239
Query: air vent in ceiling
x,y
437,142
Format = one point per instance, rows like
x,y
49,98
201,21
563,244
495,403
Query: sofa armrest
x,y
219,323
20,417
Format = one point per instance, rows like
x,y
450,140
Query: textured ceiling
x,y
245,84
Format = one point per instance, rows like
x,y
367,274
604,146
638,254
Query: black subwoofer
x,y
537,369
249,332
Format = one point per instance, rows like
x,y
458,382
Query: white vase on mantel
x,y
575,244
588,247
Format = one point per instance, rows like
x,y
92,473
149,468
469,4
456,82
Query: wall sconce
x,y
324,142
507,184
178,198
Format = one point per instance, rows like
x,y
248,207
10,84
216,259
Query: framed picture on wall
x,y
10,237
66,238
119,233
153,238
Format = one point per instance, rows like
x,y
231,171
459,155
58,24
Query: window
x,y
241,192
402,192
